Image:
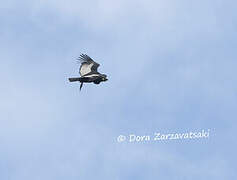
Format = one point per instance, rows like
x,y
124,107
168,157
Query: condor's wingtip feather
x,y
83,58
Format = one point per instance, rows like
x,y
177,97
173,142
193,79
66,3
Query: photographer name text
x,y
157,136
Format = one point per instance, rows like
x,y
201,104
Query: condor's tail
x,y
74,79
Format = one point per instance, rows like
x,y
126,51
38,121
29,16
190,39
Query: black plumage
x,y
88,71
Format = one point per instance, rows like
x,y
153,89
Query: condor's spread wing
x,y
87,65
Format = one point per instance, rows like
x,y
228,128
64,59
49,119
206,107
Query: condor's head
x,y
103,77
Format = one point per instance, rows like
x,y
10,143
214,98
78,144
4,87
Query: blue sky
x,y
171,67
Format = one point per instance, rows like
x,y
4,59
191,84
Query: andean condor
x,y
88,71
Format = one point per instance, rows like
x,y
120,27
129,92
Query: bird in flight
x,y
88,71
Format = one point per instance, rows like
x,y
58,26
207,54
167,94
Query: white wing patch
x,y
85,68
92,75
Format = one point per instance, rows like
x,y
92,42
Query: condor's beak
x,y
105,79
